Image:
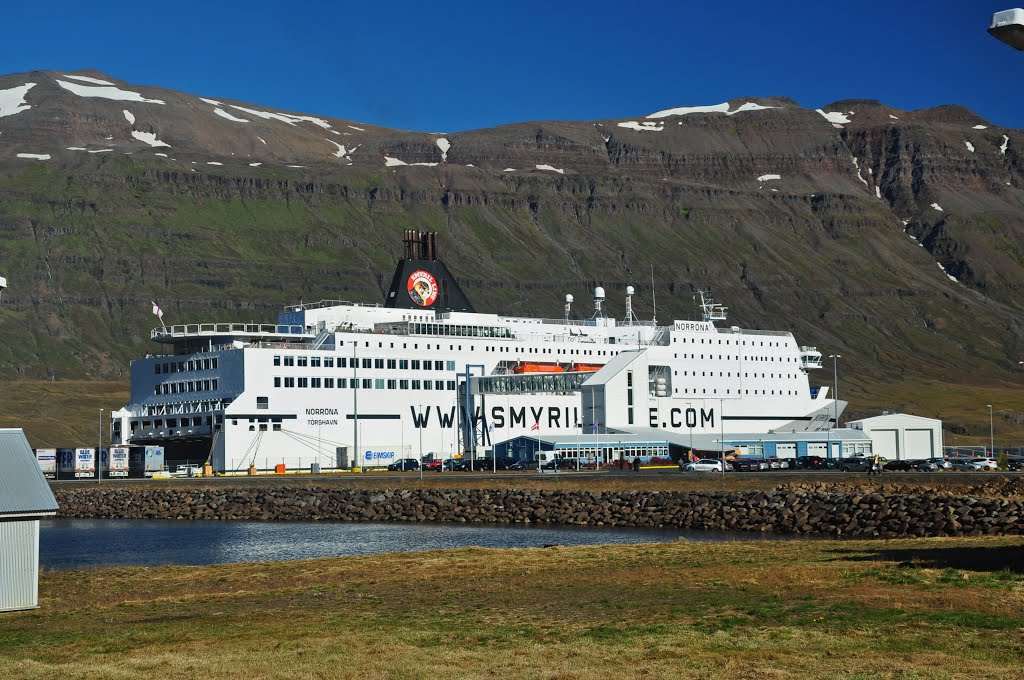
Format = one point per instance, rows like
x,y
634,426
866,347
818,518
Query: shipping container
x,y
85,462
145,461
115,464
47,459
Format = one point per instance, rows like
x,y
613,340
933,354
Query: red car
x,y
434,465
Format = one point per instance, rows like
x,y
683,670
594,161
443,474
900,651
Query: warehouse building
x,y
25,497
901,436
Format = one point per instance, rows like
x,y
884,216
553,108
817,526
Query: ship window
x,y
451,384
378,363
392,384
289,361
328,362
172,422
181,367
302,362
156,367
252,428
403,384
438,365
214,383
289,382
329,382
277,427
428,385
303,382
367,384
342,383
262,403
341,362
392,364
403,364
314,362
367,363
415,384
314,382
415,364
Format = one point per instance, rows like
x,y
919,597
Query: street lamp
x,y
991,433
421,443
1008,26
835,386
99,452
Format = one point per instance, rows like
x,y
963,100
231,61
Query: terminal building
x,y
901,436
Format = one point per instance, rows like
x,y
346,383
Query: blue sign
x,y
379,455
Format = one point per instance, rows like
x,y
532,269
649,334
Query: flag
x,y
159,312
490,428
593,426
536,426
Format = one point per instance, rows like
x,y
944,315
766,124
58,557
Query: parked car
x,y
778,464
405,465
940,463
749,464
1016,464
500,463
523,465
705,465
927,465
811,463
455,465
433,465
984,464
854,464
961,464
898,466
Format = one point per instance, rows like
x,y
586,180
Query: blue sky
x,y
448,66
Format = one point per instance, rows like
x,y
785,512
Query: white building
x,y
901,436
25,497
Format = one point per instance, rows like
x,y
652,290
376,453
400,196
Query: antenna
x,y
654,299
568,305
710,310
3,285
630,317
598,299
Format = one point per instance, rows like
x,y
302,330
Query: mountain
x,y
894,238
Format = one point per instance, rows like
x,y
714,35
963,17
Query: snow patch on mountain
x,y
210,101
980,127
443,144
148,138
938,207
1006,142
35,156
342,152
970,147
129,116
234,119
13,100
87,79
262,140
357,128
893,117
715,108
837,118
509,170
107,92
390,162
766,178
284,117
255,165
856,164
646,125
550,169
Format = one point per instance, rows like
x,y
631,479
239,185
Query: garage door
x,y
885,443
785,450
817,449
919,444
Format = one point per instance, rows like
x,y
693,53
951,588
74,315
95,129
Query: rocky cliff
x,y
893,237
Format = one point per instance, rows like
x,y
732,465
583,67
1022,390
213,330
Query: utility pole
x,y
991,434
99,452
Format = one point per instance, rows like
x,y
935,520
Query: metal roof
x,y
613,367
23,489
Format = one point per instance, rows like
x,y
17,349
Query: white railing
x,y
206,329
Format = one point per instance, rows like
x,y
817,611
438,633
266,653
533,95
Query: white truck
x,y
47,460
115,464
85,463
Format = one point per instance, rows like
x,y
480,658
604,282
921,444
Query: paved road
x,y
782,475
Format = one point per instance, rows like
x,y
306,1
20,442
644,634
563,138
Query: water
x,y
75,543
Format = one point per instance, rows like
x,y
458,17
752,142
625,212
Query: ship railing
x,y
200,329
748,331
329,303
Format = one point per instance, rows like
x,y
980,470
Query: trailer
x,y
47,460
85,463
115,464
145,461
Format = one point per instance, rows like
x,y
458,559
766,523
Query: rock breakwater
x,y
853,514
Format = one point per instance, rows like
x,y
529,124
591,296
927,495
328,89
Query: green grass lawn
x,y
940,608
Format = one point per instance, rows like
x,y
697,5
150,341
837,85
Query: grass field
x,y
940,608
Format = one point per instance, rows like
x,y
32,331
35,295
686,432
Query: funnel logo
x,y
422,288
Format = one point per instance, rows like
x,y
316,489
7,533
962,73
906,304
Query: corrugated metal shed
x,y
23,489
24,498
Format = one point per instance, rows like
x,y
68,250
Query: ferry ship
x,y
342,384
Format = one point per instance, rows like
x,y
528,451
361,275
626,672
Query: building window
x,y
156,367
213,363
262,403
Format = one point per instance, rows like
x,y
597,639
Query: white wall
x,y
913,437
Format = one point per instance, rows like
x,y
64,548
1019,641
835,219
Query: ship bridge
x,y
205,337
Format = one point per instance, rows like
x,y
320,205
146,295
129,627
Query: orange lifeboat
x,y
537,367
585,368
